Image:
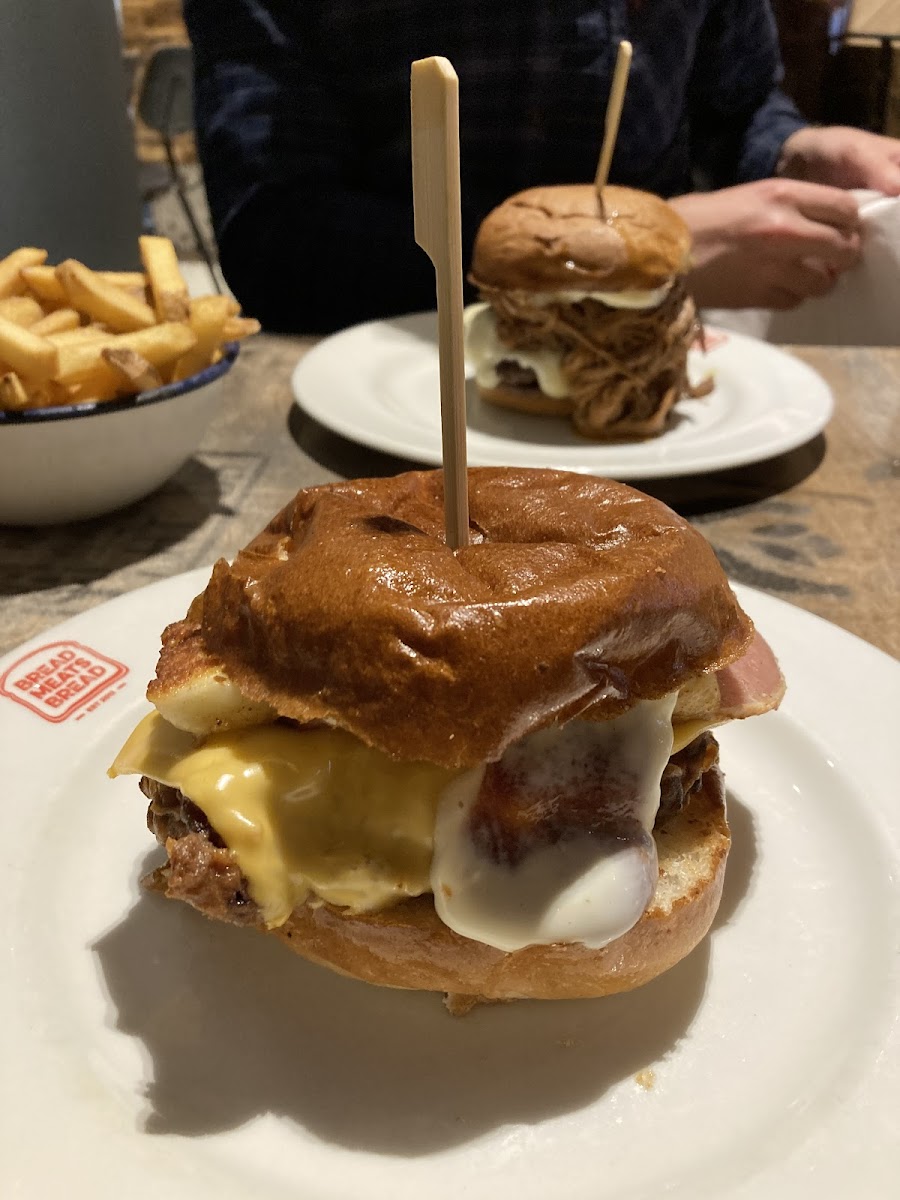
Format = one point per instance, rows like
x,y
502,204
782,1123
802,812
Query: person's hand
x,y
769,244
842,157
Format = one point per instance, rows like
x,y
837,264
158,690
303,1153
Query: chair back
x,y
166,102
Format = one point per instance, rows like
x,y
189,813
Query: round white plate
x,y
378,384
149,1052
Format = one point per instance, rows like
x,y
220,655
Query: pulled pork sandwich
x,y
486,771
585,313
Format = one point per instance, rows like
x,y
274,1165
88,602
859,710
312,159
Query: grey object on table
x,y
66,144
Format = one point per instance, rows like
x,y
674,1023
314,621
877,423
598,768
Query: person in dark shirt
x,y
302,114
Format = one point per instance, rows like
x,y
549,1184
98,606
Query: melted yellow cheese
x,y
302,811
684,732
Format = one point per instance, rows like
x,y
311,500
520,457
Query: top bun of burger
x,y
548,239
576,596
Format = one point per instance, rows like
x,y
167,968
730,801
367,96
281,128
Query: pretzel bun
x,y
549,239
576,596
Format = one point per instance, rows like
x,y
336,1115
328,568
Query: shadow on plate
x,y
87,550
349,459
236,1028
741,860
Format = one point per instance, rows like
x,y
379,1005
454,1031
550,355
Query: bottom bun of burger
x,y
408,946
529,400
591,421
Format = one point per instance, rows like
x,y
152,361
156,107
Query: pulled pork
x,y
683,775
200,870
625,368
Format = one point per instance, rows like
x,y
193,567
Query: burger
x,y
486,772
584,312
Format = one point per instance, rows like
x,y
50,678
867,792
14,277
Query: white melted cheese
x,y
484,350
633,298
584,888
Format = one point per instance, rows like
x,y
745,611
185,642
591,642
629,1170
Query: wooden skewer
x,y
434,100
613,114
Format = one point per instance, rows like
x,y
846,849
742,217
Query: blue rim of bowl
x,y
67,412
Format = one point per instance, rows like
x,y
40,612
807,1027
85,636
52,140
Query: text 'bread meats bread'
x,y
485,771
584,311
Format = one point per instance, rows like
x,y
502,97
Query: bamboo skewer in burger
x,y
434,110
584,313
613,115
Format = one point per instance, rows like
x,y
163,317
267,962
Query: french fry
x,y
211,312
208,317
103,301
236,328
129,280
81,362
24,310
49,394
12,392
136,372
11,282
31,355
61,320
169,291
102,384
133,282
43,283
84,333
160,345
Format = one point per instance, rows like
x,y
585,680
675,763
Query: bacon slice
x,y
752,685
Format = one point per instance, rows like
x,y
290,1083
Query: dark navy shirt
x,y
302,110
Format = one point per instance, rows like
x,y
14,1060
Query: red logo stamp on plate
x,y
58,680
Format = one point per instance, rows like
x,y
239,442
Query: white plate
x,y
378,384
148,1052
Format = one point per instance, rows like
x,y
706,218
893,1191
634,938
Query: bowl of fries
x,y
108,380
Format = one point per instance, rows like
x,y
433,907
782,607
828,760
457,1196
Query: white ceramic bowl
x,y
66,464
